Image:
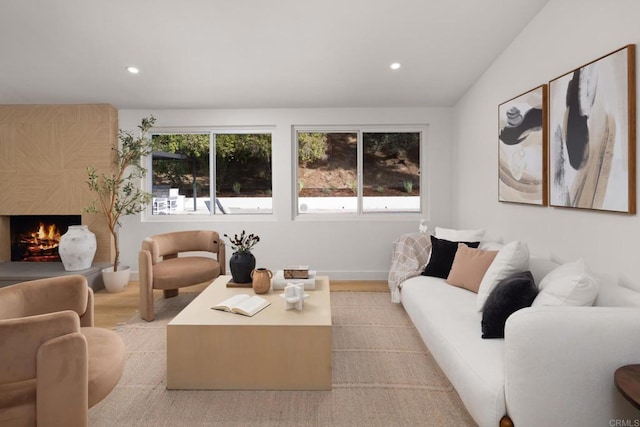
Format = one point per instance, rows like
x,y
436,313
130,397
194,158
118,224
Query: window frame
x,y
212,131
359,130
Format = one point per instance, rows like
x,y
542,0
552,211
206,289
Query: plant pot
x,y
261,280
116,281
77,248
241,265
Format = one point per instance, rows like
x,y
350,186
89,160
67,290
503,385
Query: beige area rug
x,y
383,375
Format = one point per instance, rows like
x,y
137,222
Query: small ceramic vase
x,y
261,280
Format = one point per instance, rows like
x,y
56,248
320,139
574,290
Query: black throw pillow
x,y
510,295
442,254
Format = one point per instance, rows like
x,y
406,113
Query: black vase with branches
x,y
242,262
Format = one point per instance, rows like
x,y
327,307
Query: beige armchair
x,y
54,365
161,267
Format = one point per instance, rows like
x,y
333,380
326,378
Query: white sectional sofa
x,y
555,365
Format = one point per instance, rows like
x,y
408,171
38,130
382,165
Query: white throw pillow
x,y
459,235
512,258
490,245
569,284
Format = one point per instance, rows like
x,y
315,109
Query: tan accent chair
x,y
161,267
54,365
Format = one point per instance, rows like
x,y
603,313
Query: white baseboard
x,y
355,275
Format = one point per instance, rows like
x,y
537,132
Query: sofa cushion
x,y
184,271
18,403
510,295
490,245
442,254
540,267
612,294
569,284
446,318
459,235
469,266
512,258
106,361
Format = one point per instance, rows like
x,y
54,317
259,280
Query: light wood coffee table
x,y
276,349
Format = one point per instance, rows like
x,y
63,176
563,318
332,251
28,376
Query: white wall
x,y
566,34
345,248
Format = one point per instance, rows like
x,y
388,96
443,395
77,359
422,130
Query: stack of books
x,y
279,280
296,272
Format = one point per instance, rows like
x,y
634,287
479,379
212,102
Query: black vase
x,y
242,264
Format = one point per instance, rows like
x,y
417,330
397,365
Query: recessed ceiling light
x,y
395,66
133,70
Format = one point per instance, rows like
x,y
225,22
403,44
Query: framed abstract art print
x,y
592,135
522,145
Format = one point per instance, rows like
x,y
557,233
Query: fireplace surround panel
x,y
58,142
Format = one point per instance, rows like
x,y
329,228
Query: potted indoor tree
x,y
119,193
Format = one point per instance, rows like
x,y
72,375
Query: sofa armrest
x,y
145,278
409,255
21,338
87,319
222,257
62,396
560,361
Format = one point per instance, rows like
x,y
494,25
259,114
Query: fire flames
x,y
41,245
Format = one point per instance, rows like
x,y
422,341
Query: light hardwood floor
x,y
113,309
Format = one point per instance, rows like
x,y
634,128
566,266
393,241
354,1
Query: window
x,y
327,172
358,171
211,173
391,171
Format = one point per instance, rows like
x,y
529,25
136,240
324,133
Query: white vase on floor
x,y
77,248
116,281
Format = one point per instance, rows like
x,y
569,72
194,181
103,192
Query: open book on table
x,y
244,304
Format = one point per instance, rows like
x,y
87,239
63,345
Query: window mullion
x,y
212,173
359,172
296,175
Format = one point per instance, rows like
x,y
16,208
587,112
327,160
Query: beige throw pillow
x,y
469,266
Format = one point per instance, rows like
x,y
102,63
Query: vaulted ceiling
x,y
252,53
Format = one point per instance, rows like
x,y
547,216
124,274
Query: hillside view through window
x,y
347,172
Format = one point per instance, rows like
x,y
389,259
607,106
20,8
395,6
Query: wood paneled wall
x,y
44,154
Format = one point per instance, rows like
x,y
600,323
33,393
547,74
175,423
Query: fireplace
x,y
35,238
